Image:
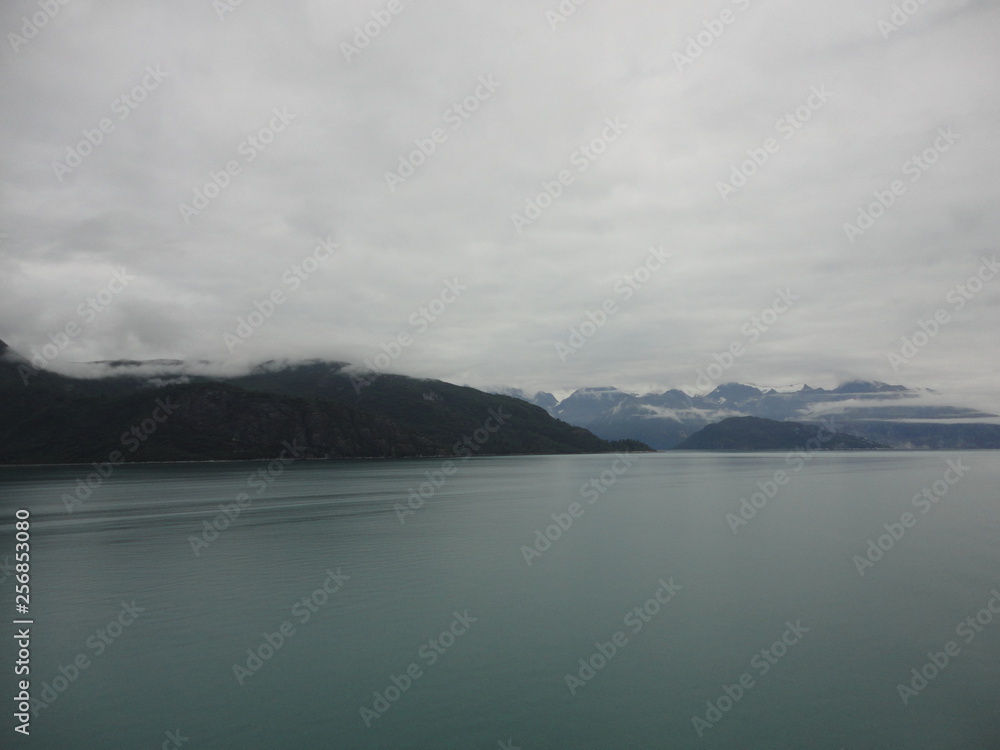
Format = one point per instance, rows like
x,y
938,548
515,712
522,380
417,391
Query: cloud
x,y
321,171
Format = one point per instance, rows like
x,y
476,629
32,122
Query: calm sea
x,y
681,600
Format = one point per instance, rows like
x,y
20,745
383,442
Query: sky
x,y
540,195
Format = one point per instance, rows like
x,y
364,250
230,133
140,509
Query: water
x,y
659,528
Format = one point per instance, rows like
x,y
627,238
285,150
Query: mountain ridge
x,y
759,434
891,414
46,417
894,415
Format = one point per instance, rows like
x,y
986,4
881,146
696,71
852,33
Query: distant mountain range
x,y
892,415
309,409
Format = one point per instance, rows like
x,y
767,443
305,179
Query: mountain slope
x,y
446,412
200,422
50,418
758,434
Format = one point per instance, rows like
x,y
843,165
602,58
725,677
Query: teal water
x,y
774,625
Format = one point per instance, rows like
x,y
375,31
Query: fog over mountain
x,y
892,415
895,415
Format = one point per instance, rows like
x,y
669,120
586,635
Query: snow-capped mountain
x,y
891,414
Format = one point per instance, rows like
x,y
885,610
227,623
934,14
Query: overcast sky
x,y
633,113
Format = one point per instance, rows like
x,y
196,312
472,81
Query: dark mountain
x,y
201,422
320,408
757,434
444,411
